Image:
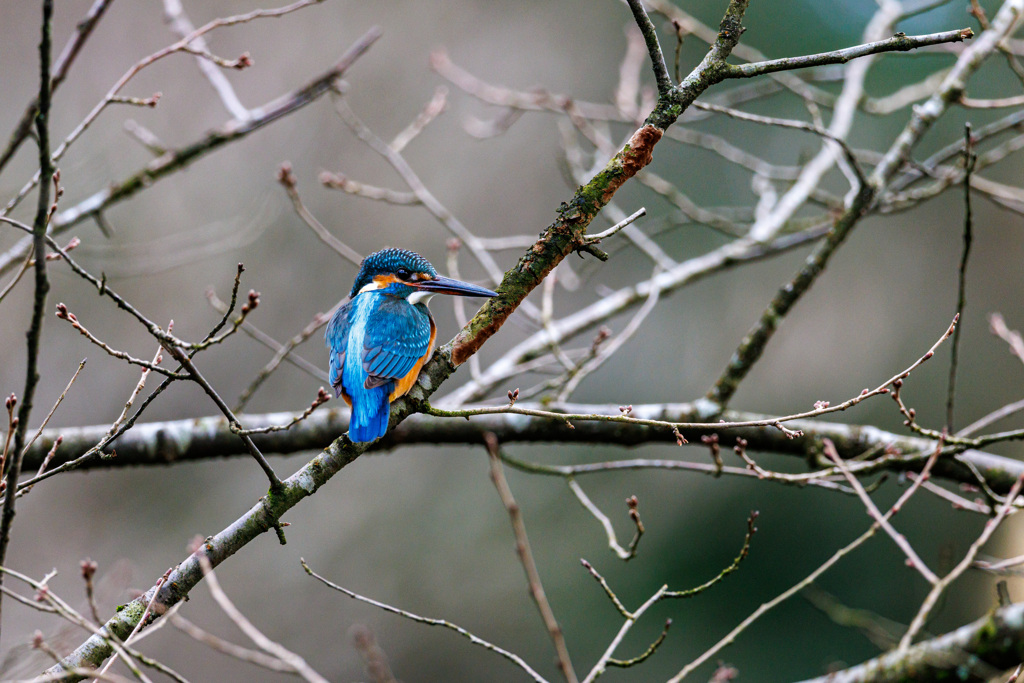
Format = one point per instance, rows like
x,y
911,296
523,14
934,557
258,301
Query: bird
x,y
380,339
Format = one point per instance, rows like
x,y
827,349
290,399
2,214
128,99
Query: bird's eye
x,y
403,273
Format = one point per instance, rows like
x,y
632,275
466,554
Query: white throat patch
x,y
420,297
370,286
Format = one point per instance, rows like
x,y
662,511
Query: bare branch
x,y
939,588
476,640
653,46
898,43
526,557
177,159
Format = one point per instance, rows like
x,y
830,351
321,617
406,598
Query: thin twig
x,y
969,160
733,566
46,420
526,557
851,159
607,589
808,580
606,659
138,626
476,640
238,652
197,377
921,618
898,43
322,397
89,568
609,530
64,314
288,181
297,664
643,22
778,422
597,237
913,559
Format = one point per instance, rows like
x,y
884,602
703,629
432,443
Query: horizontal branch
x,y
898,43
164,443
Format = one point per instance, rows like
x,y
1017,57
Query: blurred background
x,y
422,528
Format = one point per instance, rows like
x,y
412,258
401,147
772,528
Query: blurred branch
x,y
175,15
183,45
882,632
83,29
913,559
625,554
230,649
296,664
809,579
282,352
526,558
953,85
971,653
178,159
164,443
424,196
1013,338
733,254
476,640
925,611
286,177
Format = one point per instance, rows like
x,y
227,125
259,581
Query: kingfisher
x,y
384,334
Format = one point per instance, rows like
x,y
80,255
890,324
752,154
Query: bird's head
x,y
401,273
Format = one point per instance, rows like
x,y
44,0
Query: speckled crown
x,y
389,261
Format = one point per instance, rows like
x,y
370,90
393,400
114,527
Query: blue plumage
x,y
380,339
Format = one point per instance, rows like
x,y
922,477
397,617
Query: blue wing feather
x,y
399,337
375,340
370,412
336,338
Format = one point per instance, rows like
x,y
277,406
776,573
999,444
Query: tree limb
x,y
972,653
197,439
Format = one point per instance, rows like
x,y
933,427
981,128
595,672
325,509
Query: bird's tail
x,y
370,416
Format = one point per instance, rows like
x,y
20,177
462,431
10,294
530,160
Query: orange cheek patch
x,y
383,281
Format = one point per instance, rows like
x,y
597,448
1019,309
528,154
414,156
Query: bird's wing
x,y
336,338
399,338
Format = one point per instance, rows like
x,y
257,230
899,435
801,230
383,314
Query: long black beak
x,y
446,285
